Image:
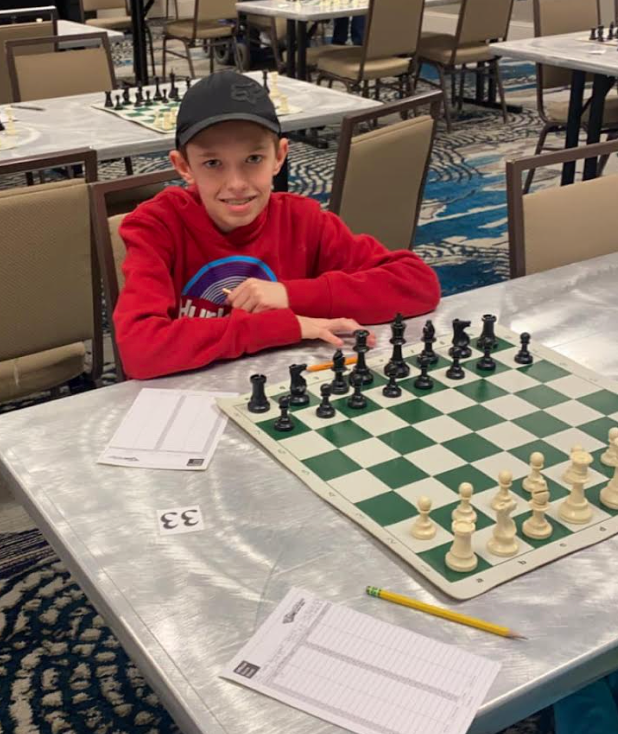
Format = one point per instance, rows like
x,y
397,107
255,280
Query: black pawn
x,y
339,386
265,80
164,99
486,363
455,371
298,385
397,362
108,99
360,347
392,389
488,335
258,402
188,82
157,95
148,100
593,34
357,401
284,422
126,96
429,337
610,31
139,94
423,381
118,105
139,100
524,356
325,409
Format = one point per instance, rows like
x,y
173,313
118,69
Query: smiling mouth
x,y
238,202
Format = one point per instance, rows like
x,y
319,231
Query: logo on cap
x,y
246,93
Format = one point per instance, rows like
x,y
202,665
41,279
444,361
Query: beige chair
x,y
552,17
380,175
50,298
24,24
275,29
111,201
214,23
479,23
391,37
561,224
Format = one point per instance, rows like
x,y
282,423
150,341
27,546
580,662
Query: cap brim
x,y
184,137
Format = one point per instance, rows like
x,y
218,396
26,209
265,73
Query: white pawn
x,y
504,542
464,510
610,457
423,528
576,508
537,526
535,480
609,494
461,557
505,482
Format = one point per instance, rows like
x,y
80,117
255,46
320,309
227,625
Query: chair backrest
x,y
393,28
560,225
92,6
213,10
50,295
552,17
111,201
483,20
380,175
60,73
23,24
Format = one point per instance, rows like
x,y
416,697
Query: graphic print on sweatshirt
x,y
203,295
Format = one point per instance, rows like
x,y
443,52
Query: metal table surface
x,y
66,123
182,606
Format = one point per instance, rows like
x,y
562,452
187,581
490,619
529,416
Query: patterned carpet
x,y
61,668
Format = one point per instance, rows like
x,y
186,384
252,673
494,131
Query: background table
x,y
70,27
182,607
569,51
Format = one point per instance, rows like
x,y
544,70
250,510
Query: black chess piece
x,y
339,386
108,99
157,97
164,99
357,401
325,409
284,422
429,337
456,371
126,96
148,101
298,385
610,31
118,105
139,94
461,340
423,381
361,349
173,88
2,128
488,335
402,368
486,363
600,34
524,356
593,34
258,402
392,389
188,82
265,80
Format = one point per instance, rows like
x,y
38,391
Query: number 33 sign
x,y
179,520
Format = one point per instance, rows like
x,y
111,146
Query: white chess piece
x,y
537,526
505,482
461,557
423,528
576,508
283,108
10,121
273,83
535,480
464,510
568,476
610,457
504,541
609,494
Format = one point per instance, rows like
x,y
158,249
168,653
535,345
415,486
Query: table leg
x,y
480,83
600,87
291,43
140,64
576,101
302,50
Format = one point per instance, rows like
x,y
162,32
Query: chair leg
x,y
539,147
189,59
211,57
377,90
447,111
462,79
365,92
150,45
163,55
498,78
128,165
417,74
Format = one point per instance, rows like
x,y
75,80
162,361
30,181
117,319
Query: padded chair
x,y
391,37
18,24
380,175
111,201
51,295
552,17
561,224
479,22
214,23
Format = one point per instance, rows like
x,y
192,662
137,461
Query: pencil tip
x,y
517,636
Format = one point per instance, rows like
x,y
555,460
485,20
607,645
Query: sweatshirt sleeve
x,y
152,341
354,276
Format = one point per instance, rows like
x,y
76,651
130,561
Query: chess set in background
x,y
475,460
599,35
11,134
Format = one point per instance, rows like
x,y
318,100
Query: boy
x,y
226,267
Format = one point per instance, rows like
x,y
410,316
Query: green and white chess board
x,y
375,463
147,116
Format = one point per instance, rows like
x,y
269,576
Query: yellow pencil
x,y
494,629
328,365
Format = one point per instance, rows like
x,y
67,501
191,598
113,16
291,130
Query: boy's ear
x,y
281,155
180,164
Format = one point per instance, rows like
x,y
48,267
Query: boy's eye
x,y
255,158
212,163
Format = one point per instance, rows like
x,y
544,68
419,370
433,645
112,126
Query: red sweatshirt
x,y
171,314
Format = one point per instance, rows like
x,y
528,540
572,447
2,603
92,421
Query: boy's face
x,y
232,164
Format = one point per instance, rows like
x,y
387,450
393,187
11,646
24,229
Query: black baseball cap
x,y
223,96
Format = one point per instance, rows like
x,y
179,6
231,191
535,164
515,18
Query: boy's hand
x,y
255,295
327,330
